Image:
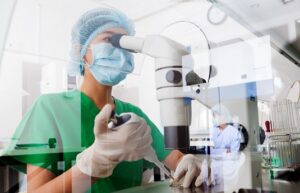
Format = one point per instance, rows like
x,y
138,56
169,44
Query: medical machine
x,y
175,105
177,84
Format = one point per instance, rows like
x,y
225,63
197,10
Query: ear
x,y
88,58
83,66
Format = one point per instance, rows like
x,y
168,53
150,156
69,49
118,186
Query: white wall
x,y
6,7
10,94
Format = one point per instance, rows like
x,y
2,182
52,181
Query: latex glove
x,y
128,142
191,168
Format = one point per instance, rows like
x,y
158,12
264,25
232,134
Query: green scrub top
x,y
69,118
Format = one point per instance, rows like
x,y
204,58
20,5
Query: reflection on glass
x,y
226,138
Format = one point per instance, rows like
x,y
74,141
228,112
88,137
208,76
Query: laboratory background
x,y
195,62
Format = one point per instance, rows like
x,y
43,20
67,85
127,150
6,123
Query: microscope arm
x,y
156,46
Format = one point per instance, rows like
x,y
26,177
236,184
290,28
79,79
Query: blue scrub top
x,y
224,140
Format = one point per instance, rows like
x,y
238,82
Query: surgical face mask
x,y
215,123
216,120
110,65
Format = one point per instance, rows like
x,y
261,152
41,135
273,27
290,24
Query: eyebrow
x,y
112,33
109,32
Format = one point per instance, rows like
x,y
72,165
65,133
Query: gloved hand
x,y
190,168
127,142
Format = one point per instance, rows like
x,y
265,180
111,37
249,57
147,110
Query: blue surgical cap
x,y
88,26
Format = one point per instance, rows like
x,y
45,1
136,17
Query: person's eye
x,y
106,39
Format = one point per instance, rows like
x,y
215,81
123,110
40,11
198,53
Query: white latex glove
x,y
190,168
128,142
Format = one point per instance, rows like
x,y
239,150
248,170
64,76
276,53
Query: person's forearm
x,y
173,159
72,180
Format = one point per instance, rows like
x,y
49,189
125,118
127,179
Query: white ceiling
x,y
276,18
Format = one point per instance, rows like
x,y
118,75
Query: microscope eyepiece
x,y
115,40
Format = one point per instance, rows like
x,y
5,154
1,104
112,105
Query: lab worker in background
x,y
112,159
226,138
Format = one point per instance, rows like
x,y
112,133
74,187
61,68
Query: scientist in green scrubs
x,y
112,159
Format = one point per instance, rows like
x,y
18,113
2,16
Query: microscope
x,y
177,85
172,80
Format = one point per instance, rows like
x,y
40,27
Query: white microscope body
x,y
175,111
175,89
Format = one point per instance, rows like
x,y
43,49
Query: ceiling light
x,y
287,1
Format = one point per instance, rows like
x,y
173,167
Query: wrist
x,y
179,159
93,164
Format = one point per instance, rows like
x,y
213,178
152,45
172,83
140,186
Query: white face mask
x,y
216,120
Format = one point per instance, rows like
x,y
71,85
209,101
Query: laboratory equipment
x,y
174,110
282,153
294,92
151,156
163,187
177,85
283,136
252,15
284,117
116,121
